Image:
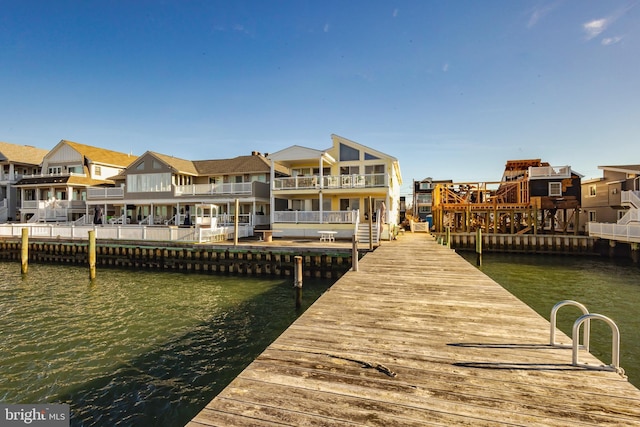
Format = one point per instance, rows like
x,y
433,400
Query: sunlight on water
x,y
604,286
134,348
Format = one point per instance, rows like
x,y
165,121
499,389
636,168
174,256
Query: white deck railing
x,y
4,211
10,176
213,189
549,172
126,232
52,204
100,193
314,217
54,175
621,232
332,181
630,198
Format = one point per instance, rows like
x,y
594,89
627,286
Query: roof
x,y
255,163
26,154
64,179
297,153
622,168
101,155
178,164
373,151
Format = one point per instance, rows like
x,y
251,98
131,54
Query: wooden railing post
x,y
354,253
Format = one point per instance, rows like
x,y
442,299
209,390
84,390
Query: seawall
x,y
330,263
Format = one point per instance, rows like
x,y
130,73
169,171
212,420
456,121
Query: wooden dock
x,y
420,337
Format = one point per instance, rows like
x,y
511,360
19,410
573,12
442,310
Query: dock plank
x,y
418,336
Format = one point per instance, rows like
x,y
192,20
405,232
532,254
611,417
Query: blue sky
x,y
453,89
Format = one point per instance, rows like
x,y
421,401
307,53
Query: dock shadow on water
x,y
169,379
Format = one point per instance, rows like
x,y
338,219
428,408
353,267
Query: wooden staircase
x,y
363,233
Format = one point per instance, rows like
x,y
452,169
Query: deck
x,y
420,337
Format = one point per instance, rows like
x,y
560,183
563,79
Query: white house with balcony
x,y
15,162
58,192
331,190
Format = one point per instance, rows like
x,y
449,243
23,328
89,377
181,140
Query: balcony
x,y
549,172
316,217
101,193
331,182
55,175
6,178
235,188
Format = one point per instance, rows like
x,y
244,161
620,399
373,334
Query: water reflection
x,y
132,348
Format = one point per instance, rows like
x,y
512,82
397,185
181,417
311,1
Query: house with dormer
x,y
16,161
59,192
158,189
335,189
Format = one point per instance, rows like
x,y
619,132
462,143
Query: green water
x,y
134,348
605,286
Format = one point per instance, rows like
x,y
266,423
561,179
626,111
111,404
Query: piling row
x,y
188,258
524,243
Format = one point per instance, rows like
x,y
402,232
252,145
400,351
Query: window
x,y
555,189
592,216
55,170
325,171
157,164
592,191
97,170
349,204
373,169
426,186
348,153
140,166
349,170
148,182
301,172
368,156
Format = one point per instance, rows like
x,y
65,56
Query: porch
x,y
331,181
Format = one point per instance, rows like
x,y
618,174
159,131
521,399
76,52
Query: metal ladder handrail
x,y
615,340
552,322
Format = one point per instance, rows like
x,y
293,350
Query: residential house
x,y
58,193
332,190
602,197
157,189
15,162
423,200
611,205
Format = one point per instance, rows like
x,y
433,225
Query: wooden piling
x,y
92,254
298,280
479,247
25,250
354,253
